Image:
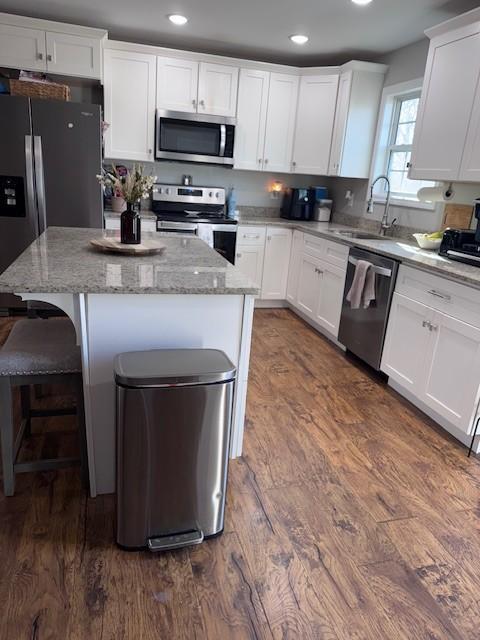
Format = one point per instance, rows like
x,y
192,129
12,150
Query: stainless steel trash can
x,y
174,412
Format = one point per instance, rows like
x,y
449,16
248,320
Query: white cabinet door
x,y
407,343
470,167
308,290
275,263
451,76
282,106
22,48
340,126
74,55
294,266
251,119
314,124
329,308
177,84
129,96
217,89
453,375
249,259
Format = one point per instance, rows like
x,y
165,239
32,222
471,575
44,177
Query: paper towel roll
x,y
436,194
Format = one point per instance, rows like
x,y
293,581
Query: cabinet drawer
x,y
313,246
335,253
454,299
251,235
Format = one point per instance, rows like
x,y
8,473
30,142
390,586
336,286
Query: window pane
x,y
408,110
398,160
405,133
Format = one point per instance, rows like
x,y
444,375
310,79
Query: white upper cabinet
x,y
53,47
251,119
73,55
359,93
177,84
275,263
314,124
129,98
217,89
22,48
282,106
448,97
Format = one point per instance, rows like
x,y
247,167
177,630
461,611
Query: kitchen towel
x,y
205,233
362,291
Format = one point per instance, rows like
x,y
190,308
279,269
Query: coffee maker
x,y
463,245
298,204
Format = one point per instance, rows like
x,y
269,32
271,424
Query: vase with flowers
x,y
132,186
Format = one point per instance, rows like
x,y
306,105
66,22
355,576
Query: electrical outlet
x,y
349,197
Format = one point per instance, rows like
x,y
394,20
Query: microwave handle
x,y
223,140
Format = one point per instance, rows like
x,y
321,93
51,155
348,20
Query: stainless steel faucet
x,y
384,225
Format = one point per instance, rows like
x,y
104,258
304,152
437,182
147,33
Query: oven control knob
x,y
160,190
210,195
167,191
217,195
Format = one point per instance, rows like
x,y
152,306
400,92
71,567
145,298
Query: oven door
x,y
194,138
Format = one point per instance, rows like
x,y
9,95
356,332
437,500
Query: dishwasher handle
x,y
380,271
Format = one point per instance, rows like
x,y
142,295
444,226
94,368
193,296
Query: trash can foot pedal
x,y
175,541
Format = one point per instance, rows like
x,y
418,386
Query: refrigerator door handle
x,y
31,202
40,182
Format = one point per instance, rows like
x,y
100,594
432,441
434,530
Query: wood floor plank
x,y
228,599
454,589
291,605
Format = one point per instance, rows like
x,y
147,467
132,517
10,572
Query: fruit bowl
x,y
425,242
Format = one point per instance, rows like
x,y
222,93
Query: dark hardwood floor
x,y
350,516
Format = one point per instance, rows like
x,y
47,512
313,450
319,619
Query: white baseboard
x,y
270,304
463,437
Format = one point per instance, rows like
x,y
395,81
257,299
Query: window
x,y
399,149
393,149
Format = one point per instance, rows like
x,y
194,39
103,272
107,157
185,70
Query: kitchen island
x,y
187,296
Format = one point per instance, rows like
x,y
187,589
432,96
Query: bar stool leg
x,y
25,403
6,436
82,434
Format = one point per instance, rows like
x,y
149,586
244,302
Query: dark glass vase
x,y
130,227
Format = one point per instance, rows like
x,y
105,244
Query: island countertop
x,y
62,260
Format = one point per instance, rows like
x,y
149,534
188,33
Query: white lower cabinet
x,y
249,259
436,357
308,285
276,263
294,267
329,307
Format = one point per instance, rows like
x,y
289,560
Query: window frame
x,y
389,115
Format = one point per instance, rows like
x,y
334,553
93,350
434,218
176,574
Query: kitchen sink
x,y
361,235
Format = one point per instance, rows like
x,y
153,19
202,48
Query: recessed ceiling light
x,y
361,2
299,39
177,19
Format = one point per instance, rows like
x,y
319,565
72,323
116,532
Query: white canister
x,y
322,210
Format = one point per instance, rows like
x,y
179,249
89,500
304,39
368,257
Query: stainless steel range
x,y
201,211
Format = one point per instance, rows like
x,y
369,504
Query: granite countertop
x,y
402,250
61,260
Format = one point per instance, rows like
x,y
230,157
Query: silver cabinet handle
x,y
425,323
437,294
39,56
319,271
266,161
433,327
251,235
149,152
202,103
259,161
49,57
194,103
269,238
294,164
239,255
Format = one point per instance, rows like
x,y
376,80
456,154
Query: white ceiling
x,y
338,29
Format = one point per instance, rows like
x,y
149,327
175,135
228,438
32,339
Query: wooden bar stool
x,y
38,352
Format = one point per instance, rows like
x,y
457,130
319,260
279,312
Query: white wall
x,y
406,63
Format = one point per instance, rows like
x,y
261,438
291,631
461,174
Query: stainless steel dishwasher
x,y
362,331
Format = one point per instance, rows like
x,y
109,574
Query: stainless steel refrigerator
x,y
50,153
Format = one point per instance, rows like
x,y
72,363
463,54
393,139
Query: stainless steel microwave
x,y
193,137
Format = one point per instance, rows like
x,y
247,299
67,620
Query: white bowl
x,y
427,243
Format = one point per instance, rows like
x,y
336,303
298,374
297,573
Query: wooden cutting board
x,y
457,216
146,248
